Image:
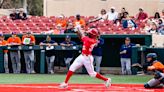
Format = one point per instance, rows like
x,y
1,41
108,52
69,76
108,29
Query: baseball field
x,y
78,83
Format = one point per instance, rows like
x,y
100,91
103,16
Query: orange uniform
x,y
4,43
62,22
11,40
158,66
79,22
31,37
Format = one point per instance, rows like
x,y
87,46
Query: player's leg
x,y
156,81
17,58
27,62
67,62
128,66
32,61
6,63
123,66
152,83
88,63
48,65
52,59
76,64
98,62
13,61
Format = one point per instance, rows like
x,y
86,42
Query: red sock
x,y
99,76
69,74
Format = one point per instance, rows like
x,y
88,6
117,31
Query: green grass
x,y
57,78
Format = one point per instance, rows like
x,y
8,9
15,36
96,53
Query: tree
x,y
35,7
1,3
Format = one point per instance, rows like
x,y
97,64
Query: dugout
x,y
111,57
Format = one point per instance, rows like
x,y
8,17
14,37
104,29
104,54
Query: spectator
x,y
4,43
157,15
22,15
101,17
51,31
57,30
161,27
69,54
15,41
153,29
61,21
122,15
29,40
97,54
112,15
141,15
50,57
125,52
69,28
162,15
79,21
14,15
127,22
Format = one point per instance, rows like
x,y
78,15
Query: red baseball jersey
x,y
88,45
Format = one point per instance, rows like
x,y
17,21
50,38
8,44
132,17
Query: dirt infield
x,y
75,88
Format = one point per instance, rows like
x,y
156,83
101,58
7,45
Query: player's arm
x,y
79,32
63,44
54,43
19,42
43,43
156,66
33,40
150,68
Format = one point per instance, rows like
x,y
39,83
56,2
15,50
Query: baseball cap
x,y
140,8
127,38
28,32
68,36
1,34
77,15
113,8
13,33
60,16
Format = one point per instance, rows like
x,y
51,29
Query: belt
x,y
86,55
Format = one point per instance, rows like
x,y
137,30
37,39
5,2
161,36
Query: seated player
x,y
157,67
86,58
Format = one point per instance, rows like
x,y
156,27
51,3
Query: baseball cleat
x,y
108,83
63,85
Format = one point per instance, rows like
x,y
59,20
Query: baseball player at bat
x,y
86,58
157,67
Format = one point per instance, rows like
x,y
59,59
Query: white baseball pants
x,y
87,61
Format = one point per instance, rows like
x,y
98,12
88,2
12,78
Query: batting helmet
x,y
93,32
152,55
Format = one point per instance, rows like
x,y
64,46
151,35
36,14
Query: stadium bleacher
x,y
39,24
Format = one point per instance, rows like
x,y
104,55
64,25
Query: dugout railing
x,y
111,48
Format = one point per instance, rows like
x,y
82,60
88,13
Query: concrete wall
x,y
93,7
